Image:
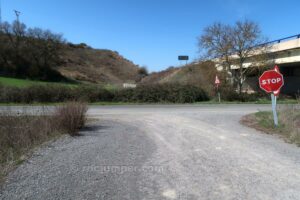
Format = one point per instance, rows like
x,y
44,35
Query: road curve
x,y
162,152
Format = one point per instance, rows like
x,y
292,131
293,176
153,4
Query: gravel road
x,y
162,152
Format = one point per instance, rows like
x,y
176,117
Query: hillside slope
x,y
97,66
201,74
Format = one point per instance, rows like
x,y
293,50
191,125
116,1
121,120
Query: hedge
x,y
153,93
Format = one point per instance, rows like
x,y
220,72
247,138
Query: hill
x,y
82,63
41,55
200,74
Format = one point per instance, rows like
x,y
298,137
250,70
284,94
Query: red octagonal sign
x,y
271,81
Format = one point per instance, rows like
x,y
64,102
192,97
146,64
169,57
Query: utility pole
x,y
18,13
0,12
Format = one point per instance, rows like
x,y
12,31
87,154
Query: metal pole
x,y
0,12
274,102
18,15
218,93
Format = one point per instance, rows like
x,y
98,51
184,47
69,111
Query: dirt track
x,y
162,152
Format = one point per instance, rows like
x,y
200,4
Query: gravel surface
x,y
162,152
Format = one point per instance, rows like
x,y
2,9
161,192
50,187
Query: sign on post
x,y
183,57
217,83
271,81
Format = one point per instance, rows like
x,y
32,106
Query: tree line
x,y
29,52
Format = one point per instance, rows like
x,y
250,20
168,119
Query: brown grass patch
x,y
20,132
71,117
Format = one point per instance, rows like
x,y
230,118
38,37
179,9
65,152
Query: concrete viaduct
x,y
285,53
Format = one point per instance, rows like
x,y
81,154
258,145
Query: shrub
x,y
10,94
48,93
53,93
71,117
162,93
228,93
19,133
289,117
150,93
22,131
91,94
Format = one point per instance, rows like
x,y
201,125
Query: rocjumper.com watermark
x,y
120,169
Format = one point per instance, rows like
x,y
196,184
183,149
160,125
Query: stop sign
x,y
271,81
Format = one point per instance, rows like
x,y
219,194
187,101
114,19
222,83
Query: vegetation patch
x,y
150,93
21,83
20,132
71,117
162,93
289,123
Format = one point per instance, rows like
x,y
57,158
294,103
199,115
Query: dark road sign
x,y
183,58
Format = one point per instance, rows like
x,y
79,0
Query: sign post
x,y
274,105
271,82
181,58
217,83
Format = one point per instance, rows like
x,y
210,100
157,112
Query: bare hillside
x,y
83,63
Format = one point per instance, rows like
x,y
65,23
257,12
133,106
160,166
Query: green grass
x,y
25,82
289,123
259,101
111,87
265,120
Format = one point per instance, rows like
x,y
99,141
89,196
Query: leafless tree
x,y
217,42
45,46
29,52
237,49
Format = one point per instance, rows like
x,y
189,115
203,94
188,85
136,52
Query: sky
x,y
151,33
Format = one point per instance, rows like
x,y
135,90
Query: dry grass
x,y
97,66
71,117
289,123
20,133
202,74
23,131
290,120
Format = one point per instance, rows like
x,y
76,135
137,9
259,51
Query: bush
x,y
229,94
53,93
20,133
71,116
91,94
289,117
10,95
152,93
162,93
44,94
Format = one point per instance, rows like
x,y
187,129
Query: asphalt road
x,y
162,152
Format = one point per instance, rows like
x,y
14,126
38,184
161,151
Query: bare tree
x,y
217,42
247,45
45,46
238,48
32,52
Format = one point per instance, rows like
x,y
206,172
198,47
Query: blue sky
x,y
151,32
